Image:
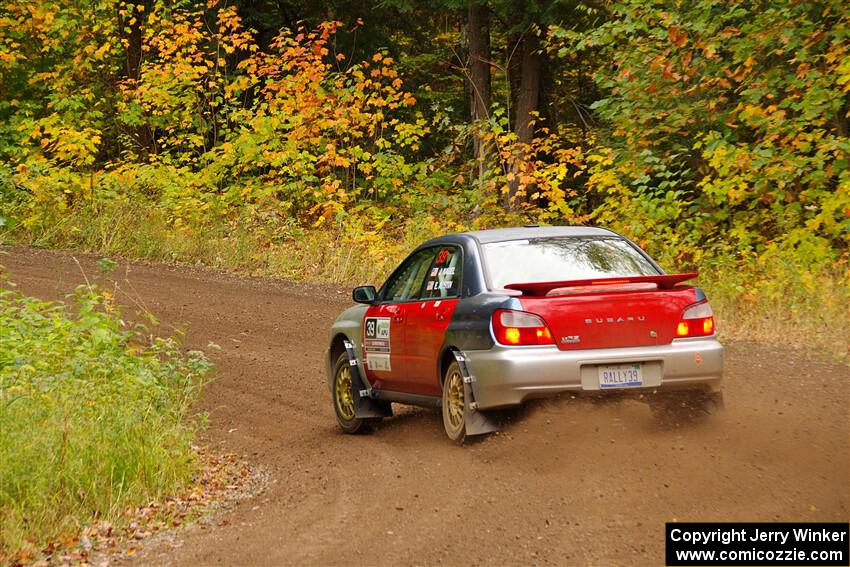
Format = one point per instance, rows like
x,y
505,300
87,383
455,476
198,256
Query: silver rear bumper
x,y
506,376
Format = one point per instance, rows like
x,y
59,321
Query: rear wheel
x,y
343,398
454,404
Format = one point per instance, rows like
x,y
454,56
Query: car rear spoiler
x,y
665,281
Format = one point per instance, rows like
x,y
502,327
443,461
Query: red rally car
x,y
478,321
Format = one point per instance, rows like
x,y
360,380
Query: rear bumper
x,y
507,376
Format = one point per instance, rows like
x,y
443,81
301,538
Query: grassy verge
x,y
778,301
95,418
345,253
782,305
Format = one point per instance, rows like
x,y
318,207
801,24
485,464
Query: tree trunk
x,y
131,30
478,32
514,68
528,98
527,105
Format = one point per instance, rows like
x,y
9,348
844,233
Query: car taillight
x,y
697,321
518,328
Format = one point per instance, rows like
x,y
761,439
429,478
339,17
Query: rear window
x,y
561,259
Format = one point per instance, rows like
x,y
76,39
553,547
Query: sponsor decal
x,y
376,343
377,328
378,362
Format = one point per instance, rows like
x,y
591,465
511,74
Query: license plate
x,y
620,376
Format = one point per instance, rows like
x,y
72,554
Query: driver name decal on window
x,y
444,275
443,279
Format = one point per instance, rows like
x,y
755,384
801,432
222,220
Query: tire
x,y
342,395
454,404
686,406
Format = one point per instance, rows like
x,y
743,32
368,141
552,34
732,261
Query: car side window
x,y
444,274
407,282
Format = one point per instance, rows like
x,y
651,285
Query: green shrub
x,y
94,418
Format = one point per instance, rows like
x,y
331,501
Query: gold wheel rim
x,y
343,394
454,399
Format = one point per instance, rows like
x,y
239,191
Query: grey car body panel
x,y
507,376
469,328
348,324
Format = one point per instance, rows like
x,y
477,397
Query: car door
x,y
385,323
427,320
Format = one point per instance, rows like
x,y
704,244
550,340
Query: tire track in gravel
x,y
567,482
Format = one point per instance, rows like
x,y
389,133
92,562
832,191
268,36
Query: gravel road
x,y
568,482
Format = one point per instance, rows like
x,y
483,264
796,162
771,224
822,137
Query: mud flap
x,y
477,422
365,406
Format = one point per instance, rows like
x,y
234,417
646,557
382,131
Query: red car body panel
x,y
416,334
425,331
387,348
611,320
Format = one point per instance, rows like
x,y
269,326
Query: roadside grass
x,y
95,416
339,254
779,302
781,305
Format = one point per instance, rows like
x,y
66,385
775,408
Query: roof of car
x,y
518,233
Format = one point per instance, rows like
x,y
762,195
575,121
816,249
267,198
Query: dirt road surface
x,y
568,482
